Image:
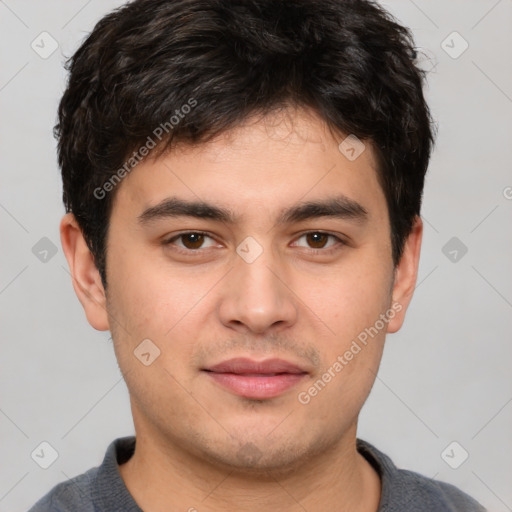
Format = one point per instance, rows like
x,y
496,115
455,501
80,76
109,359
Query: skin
x,y
193,436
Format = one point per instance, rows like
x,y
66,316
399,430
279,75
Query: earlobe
x,y
406,274
85,275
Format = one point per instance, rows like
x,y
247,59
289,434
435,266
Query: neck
x,y
163,477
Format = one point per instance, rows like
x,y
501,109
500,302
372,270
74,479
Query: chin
x,y
256,453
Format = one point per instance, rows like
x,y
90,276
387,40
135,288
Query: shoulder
x,y
404,490
70,496
424,494
99,488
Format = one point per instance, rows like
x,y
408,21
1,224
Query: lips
x,y
245,366
256,379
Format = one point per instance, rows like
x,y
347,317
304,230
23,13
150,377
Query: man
x,y
243,182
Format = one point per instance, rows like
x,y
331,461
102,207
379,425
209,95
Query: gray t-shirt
x,y
102,489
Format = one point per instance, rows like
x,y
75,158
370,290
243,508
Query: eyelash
x,y
310,250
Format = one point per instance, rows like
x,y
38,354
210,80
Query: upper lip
x,y
242,365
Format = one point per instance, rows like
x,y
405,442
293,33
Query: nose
x,y
257,297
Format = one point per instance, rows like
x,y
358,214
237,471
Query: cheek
x,y
153,301
150,296
350,303
150,305
349,299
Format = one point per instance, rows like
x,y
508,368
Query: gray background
x,y
445,377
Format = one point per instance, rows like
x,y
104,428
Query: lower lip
x,y
257,387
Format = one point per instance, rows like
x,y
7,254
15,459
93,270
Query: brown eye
x,y
192,240
317,240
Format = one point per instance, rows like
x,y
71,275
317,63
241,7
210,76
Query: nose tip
x,y
257,299
258,321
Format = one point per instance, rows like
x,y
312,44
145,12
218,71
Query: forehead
x,y
262,165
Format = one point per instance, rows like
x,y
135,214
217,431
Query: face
x,y
264,309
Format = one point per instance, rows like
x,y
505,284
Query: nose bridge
x,y
257,281
257,296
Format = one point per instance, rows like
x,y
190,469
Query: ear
x,y
406,273
86,277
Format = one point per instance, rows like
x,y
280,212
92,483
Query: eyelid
x,y
340,242
169,241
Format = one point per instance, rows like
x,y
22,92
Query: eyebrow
x,y
340,207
